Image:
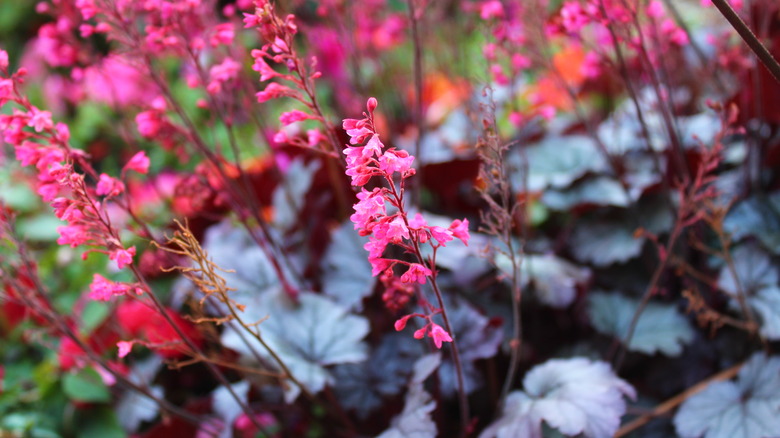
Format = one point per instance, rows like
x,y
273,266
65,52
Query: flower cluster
x,y
279,49
44,145
367,157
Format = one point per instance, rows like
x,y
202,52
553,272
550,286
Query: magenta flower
x,y
416,272
123,257
139,163
439,335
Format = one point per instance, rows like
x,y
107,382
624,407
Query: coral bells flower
x,y
416,272
439,335
139,163
108,186
124,348
103,289
123,257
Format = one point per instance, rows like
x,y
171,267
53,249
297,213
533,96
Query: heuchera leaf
x,y
603,242
134,408
289,195
363,386
747,408
415,420
477,339
757,278
308,336
227,407
574,396
601,190
557,162
346,270
234,250
555,280
660,328
757,216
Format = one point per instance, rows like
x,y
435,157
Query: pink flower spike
x,y
139,163
3,60
124,347
439,335
123,257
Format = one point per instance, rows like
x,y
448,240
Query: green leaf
x,y
94,314
100,423
85,386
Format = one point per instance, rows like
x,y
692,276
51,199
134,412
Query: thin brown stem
x,y
418,103
667,406
749,37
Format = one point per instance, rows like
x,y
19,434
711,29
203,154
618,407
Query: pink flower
x,y
460,229
379,265
655,9
491,9
6,90
417,222
439,335
251,20
108,186
442,235
40,120
370,206
222,73
223,34
73,235
416,272
265,70
396,230
139,163
314,137
27,153
293,116
124,347
122,256
102,289
400,324
149,123
375,248
273,91
395,161
3,60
